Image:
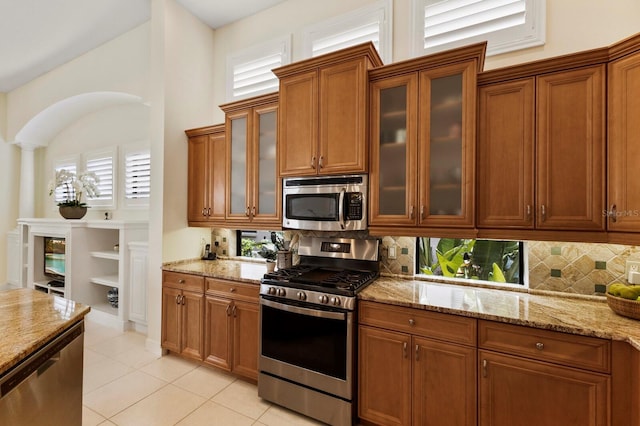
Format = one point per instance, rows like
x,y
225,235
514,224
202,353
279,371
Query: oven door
x,y
307,345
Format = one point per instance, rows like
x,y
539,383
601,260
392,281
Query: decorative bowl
x,y
625,307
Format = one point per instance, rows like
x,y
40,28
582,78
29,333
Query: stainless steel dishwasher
x,y
46,388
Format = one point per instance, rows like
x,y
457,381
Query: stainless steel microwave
x,y
328,203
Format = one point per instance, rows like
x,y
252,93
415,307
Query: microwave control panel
x,y
353,207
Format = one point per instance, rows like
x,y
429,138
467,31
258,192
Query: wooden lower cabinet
x,y
406,378
182,313
518,391
231,327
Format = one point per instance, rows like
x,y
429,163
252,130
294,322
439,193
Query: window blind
x,y
255,77
447,21
103,168
137,175
350,37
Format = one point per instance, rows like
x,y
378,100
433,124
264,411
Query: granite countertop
x,y
29,319
584,316
235,270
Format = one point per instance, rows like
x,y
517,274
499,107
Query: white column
x,y
27,180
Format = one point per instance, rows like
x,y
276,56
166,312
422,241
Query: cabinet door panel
x,y
392,180
192,325
384,377
624,144
529,393
506,154
298,125
571,150
218,332
343,112
171,319
446,148
197,178
245,339
266,195
238,183
444,384
218,175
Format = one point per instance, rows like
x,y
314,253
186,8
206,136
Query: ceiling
x,y
37,36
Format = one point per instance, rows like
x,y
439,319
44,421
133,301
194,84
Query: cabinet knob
x,y
412,322
232,289
181,281
539,346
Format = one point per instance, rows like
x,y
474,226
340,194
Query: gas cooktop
x,y
335,281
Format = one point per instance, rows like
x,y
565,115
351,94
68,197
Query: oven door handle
x,y
343,191
303,311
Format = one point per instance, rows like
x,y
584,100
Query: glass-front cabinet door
x,y
446,145
266,197
392,180
254,193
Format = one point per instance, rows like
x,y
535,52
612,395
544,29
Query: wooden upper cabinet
x,y
323,113
206,176
571,149
624,144
506,155
423,131
253,187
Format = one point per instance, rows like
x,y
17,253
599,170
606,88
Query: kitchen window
x,y
488,261
249,71
371,23
506,25
258,244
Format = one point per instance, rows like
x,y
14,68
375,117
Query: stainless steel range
x,y
308,327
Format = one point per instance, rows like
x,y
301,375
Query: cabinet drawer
x,y
183,281
232,289
451,328
584,352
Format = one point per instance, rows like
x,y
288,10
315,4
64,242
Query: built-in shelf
x,y
113,255
107,280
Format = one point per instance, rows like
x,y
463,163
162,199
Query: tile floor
x,y
126,385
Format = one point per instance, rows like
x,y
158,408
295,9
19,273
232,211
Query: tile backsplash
x,y
580,268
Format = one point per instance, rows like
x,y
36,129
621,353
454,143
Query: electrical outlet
x,y
631,267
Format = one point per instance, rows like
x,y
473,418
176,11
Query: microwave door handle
x,y
343,191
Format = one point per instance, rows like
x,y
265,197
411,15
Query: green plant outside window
x,y
486,260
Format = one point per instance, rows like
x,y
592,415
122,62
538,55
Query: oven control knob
x,y
324,299
335,301
282,292
302,295
271,291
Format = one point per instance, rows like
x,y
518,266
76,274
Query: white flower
x,y
74,186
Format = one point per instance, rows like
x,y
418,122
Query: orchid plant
x,y
75,186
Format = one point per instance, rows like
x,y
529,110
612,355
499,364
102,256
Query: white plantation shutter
x,y
137,182
505,24
371,23
249,71
102,164
64,193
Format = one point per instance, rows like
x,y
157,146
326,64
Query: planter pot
x,y
271,266
72,212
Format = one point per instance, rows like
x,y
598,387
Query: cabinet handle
x,y
227,310
528,211
484,368
417,353
208,211
253,212
411,212
233,311
313,162
320,163
422,212
543,210
412,322
204,211
232,289
612,213
177,299
247,213
539,346
180,281
404,349
182,300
